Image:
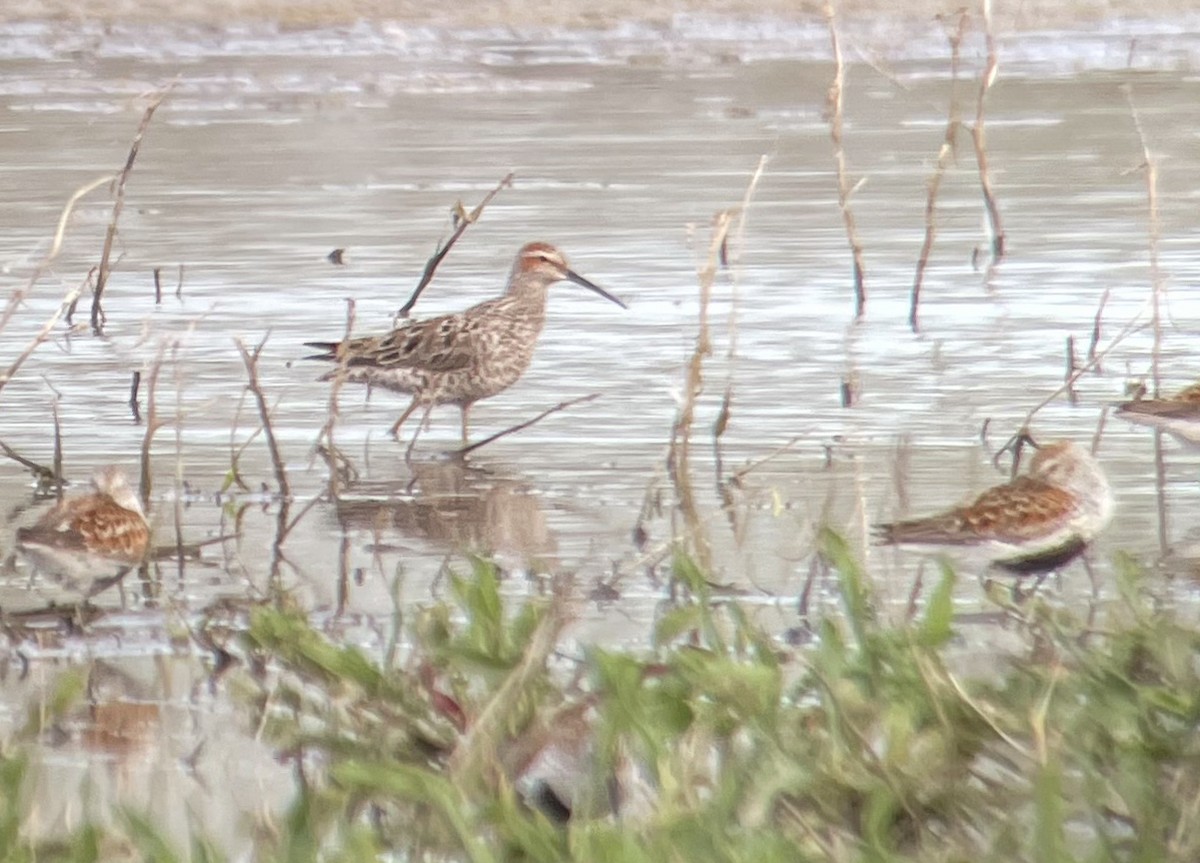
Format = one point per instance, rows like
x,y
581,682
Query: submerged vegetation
x,y
488,738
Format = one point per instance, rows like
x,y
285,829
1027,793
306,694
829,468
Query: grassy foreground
x,y
487,744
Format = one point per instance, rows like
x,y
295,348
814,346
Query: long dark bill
x,y
573,276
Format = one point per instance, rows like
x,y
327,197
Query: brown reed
x,y
97,318
834,106
946,153
462,221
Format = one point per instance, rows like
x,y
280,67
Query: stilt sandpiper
x,y
463,357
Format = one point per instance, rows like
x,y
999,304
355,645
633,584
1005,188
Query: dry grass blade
x,y
118,206
153,423
834,108
44,333
250,359
464,220
60,231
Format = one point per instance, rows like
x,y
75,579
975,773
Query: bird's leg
x,y
466,409
395,430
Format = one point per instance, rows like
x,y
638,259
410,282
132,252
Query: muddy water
x,y
275,148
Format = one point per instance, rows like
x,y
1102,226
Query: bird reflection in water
x,y
461,506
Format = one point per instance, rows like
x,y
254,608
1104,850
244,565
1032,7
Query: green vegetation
x,y
718,744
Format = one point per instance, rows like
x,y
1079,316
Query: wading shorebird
x,y
1178,415
90,540
1038,522
463,357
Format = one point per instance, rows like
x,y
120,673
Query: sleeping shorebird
x,y
1178,415
1038,522
463,357
90,539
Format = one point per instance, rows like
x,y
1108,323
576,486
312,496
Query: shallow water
x,y
274,148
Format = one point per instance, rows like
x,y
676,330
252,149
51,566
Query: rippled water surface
x,y
272,149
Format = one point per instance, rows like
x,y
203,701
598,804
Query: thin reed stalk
x,y
834,105
561,406
721,424
250,359
44,333
679,450
463,220
946,154
153,423
18,296
110,235
979,138
1157,288
339,465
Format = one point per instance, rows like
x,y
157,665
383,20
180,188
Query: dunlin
x,y
1037,522
1178,415
89,537
467,356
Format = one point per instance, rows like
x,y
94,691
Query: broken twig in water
x,y
945,153
118,206
463,220
834,109
561,406
250,359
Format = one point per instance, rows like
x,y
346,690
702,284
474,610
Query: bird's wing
x,y
440,344
1025,508
110,528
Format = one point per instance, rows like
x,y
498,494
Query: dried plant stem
x,y
834,109
153,423
725,413
44,333
1095,340
118,205
339,464
1135,324
18,296
463,220
1157,287
1150,167
979,137
250,359
945,154
561,406
679,451
1072,367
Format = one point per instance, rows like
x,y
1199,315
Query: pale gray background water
x,y
275,147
